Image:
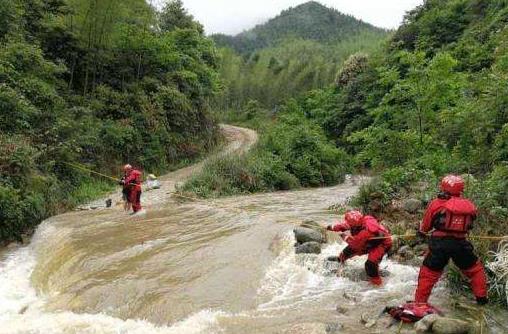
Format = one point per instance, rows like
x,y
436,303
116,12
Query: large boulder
x,y
309,248
412,205
450,326
303,235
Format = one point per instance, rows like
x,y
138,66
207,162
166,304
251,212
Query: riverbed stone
x,y
334,328
425,324
406,253
341,309
368,320
412,205
450,326
304,235
309,248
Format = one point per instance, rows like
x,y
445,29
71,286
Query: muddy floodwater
x,y
214,266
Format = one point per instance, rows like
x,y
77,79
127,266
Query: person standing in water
x,y
131,183
450,217
362,231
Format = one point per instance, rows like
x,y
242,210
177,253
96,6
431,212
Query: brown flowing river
x,y
211,266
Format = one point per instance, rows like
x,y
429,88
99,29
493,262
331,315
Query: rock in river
x,y
304,235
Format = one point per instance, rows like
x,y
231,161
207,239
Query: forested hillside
x,y
299,50
309,21
100,83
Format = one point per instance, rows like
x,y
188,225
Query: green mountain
x,y
309,21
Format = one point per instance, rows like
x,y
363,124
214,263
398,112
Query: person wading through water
x,y
359,239
450,217
131,183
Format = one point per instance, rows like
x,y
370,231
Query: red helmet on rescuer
x,y
452,184
354,218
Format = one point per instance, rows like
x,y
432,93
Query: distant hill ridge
x,y
310,21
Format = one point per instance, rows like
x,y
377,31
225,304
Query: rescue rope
x,y
500,264
412,236
76,166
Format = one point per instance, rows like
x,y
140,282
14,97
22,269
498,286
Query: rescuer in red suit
x,y
450,217
360,241
132,186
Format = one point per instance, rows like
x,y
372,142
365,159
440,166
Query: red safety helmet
x,y
452,184
354,218
127,168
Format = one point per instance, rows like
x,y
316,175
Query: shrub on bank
x,y
292,153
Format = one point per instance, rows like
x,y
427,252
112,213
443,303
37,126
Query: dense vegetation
x,y
293,152
98,83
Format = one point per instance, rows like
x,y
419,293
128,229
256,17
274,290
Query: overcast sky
x,y
234,16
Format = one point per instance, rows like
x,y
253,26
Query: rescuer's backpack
x,y
456,215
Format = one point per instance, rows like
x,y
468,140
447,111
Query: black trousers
x,y
442,250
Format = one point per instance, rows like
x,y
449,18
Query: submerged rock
x,y
359,274
341,309
304,235
333,328
309,248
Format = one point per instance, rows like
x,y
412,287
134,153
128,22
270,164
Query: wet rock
x,y
333,259
109,203
412,205
426,323
359,274
304,235
368,320
309,248
334,328
450,326
341,309
23,309
349,296
406,253
310,224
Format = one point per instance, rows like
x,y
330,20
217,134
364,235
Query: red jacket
x,y
360,240
134,179
439,207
